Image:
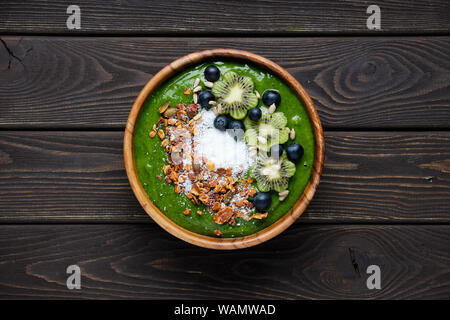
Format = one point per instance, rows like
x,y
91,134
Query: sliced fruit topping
x,y
262,201
272,174
212,73
271,97
221,123
235,94
255,114
294,152
268,131
204,98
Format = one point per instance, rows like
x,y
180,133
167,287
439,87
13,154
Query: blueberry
x,y
276,151
236,129
255,114
270,97
294,152
236,124
204,98
262,201
221,123
212,73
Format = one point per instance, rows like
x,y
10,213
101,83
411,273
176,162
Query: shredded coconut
x,y
206,164
219,146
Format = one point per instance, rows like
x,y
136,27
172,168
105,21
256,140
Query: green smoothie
x,y
150,157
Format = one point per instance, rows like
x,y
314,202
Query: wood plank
x,y
354,82
225,17
394,177
305,262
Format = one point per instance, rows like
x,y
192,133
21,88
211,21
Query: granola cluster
x,y
225,195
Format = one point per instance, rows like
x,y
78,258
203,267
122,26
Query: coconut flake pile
x,y
219,146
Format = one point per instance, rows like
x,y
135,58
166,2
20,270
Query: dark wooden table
x,y
383,98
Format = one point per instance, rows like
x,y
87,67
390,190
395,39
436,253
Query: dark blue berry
x,y
204,98
212,73
270,97
276,151
221,123
236,124
262,201
236,129
294,152
254,114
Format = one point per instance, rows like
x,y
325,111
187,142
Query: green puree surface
x,y
150,156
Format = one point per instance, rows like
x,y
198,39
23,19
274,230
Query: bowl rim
x,y
170,226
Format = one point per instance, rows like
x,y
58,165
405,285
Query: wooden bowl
x,y
201,240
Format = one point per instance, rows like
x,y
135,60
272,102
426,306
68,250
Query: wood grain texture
x,y
354,82
231,17
388,177
143,261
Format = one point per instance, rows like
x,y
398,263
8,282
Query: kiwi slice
x,y
272,174
235,94
267,131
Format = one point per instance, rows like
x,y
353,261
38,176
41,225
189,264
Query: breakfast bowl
x,y
223,149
